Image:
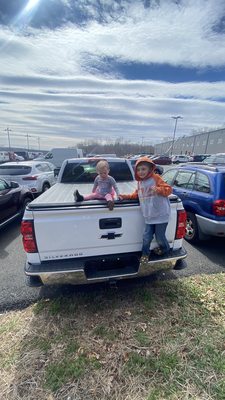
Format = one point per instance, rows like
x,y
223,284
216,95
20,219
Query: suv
x,y
202,191
38,176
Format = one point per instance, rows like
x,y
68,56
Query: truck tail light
x,y
30,178
219,208
181,224
29,241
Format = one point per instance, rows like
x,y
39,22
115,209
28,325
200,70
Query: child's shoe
x,y
144,261
110,205
77,196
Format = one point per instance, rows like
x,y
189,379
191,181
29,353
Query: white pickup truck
x,y
77,243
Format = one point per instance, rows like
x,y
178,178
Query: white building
x,y
202,143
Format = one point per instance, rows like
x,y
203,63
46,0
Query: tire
x,y
45,187
192,232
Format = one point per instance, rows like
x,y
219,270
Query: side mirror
x,y
159,170
14,185
56,171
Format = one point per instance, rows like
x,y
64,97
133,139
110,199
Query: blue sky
x,y
99,69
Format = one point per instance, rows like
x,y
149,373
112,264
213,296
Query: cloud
x,y
58,76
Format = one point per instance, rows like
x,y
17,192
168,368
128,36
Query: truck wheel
x,y
45,187
192,233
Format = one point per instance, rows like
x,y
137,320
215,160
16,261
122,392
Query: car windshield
x,y
15,170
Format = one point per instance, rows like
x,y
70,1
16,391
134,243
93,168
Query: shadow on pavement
x,y
7,235
213,249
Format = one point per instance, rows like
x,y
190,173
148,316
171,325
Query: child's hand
x,y
154,189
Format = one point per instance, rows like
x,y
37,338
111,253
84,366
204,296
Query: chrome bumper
x,y
210,226
100,269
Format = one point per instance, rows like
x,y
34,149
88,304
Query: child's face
x,y
103,172
143,170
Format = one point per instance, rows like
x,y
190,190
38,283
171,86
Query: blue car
x,y
202,191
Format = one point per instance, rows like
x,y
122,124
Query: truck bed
x,y
61,194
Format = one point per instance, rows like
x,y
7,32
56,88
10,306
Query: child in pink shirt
x,y
104,186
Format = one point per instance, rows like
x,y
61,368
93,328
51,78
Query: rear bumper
x,y
210,226
100,269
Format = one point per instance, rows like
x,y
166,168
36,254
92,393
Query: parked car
x,y
23,154
4,156
18,157
159,170
13,201
38,176
162,160
218,159
180,158
202,191
198,157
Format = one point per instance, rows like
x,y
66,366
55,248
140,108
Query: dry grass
x,y
161,340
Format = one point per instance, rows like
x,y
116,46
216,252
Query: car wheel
x,y
192,233
45,187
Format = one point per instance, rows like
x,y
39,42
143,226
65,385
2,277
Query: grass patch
x,y
164,364
104,332
9,326
158,341
142,338
59,373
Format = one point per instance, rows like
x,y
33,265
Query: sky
x,y
84,70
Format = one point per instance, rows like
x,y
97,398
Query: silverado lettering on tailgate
x,y
69,255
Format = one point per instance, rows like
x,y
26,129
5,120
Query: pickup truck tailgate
x,y
71,232
87,231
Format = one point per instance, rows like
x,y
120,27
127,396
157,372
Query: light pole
x,y
9,143
174,132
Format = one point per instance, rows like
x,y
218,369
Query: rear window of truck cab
x,y
85,172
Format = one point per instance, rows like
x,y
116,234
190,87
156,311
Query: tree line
x,y
118,148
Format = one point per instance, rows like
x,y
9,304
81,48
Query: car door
x,y
182,182
169,175
8,200
42,175
202,195
183,186
49,167
45,174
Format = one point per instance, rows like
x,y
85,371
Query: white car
x,y
4,156
38,176
18,158
181,158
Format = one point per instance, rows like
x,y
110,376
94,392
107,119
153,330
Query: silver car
x,y
38,176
